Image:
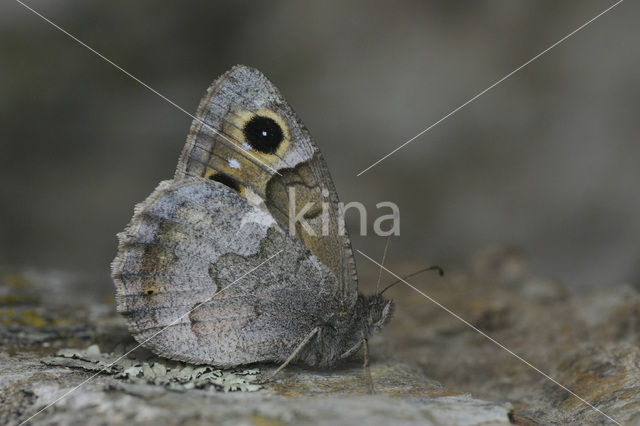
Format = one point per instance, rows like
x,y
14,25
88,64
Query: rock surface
x,y
427,366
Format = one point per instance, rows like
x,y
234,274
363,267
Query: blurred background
x,y
547,162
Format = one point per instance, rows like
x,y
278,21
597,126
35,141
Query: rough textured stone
x,y
427,367
587,342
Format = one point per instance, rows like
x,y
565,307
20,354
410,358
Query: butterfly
x,y
210,269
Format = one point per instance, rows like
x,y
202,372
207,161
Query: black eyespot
x,y
263,134
226,180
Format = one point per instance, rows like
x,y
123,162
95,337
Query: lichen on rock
x,y
173,375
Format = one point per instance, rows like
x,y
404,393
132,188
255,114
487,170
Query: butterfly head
x,y
379,311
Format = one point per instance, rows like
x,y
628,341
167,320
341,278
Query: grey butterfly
x,y
181,269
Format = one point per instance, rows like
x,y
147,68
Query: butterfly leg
x,y
352,350
367,370
293,355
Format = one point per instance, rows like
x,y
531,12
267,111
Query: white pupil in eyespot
x,y
264,133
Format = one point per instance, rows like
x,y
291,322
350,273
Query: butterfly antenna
x,y
436,268
384,256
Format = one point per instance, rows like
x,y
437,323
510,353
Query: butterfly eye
x,y
263,134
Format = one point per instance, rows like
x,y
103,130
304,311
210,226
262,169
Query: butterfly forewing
x,y
246,137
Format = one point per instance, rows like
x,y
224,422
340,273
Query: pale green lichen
x,y
175,376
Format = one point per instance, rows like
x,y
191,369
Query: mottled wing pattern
x,y
247,137
192,238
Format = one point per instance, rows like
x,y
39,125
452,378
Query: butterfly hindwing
x,y
192,238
